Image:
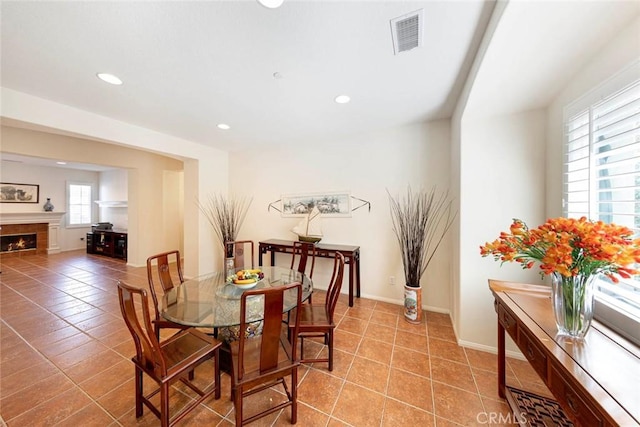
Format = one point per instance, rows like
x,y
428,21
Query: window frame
x,y
625,323
92,208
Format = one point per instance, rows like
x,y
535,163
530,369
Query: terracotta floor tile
x,y
53,337
386,307
397,413
446,350
105,381
482,360
38,392
341,363
320,390
65,344
13,381
94,365
78,354
91,415
354,326
369,374
380,333
350,409
457,405
307,416
412,361
375,350
359,312
434,318
412,341
105,329
20,360
384,318
413,328
346,341
410,388
453,374
54,410
442,332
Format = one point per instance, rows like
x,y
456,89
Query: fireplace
x,y
18,242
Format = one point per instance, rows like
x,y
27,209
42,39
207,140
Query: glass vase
x,y
572,300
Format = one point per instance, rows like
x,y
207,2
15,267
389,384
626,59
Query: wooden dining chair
x,y
165,276
263,361
316,320
243,253
166,362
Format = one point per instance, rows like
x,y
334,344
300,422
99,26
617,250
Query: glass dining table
x,y
212,301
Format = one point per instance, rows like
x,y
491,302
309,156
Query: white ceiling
x,y
188,66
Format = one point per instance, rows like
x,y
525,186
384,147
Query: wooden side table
x,y
595,381
324,250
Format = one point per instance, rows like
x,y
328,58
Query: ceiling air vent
x,y
406,31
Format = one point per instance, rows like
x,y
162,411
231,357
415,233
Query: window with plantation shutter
x,y
79,209
601,181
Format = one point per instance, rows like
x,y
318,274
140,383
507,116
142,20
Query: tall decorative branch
x,y
226,216
420,222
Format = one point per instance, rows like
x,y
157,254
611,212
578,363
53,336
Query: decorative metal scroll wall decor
x,y
19,193
330,204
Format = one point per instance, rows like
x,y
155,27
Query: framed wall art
x,y
330,204
19,193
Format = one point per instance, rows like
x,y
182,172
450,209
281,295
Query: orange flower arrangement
x,y
570,247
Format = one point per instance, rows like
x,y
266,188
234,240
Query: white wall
x,y
114,187
366,165
620,58
502,177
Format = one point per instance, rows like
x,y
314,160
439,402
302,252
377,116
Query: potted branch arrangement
x,y
420,222
226,216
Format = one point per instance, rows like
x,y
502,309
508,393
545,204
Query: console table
x,y
323,250
595,381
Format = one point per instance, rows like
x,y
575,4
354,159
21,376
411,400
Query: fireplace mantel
x,y
53,219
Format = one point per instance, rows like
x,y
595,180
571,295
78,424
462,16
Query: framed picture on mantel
x,y
19,193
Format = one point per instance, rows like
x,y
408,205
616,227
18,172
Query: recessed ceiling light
x,y
224,126
271,4
109,78
342,99
61,163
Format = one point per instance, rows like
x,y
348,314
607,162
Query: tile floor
x,y
65,359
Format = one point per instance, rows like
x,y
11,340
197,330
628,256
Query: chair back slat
x,y
163,272
304,251
243,253
333,293
148,352
272,332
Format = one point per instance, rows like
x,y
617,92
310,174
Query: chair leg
x,y
294,395
301,348
216,373
164,405
139,391
237,403
329,336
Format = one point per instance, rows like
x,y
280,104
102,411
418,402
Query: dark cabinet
x,y
108,243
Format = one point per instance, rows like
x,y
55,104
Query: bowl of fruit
x,y
246,279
